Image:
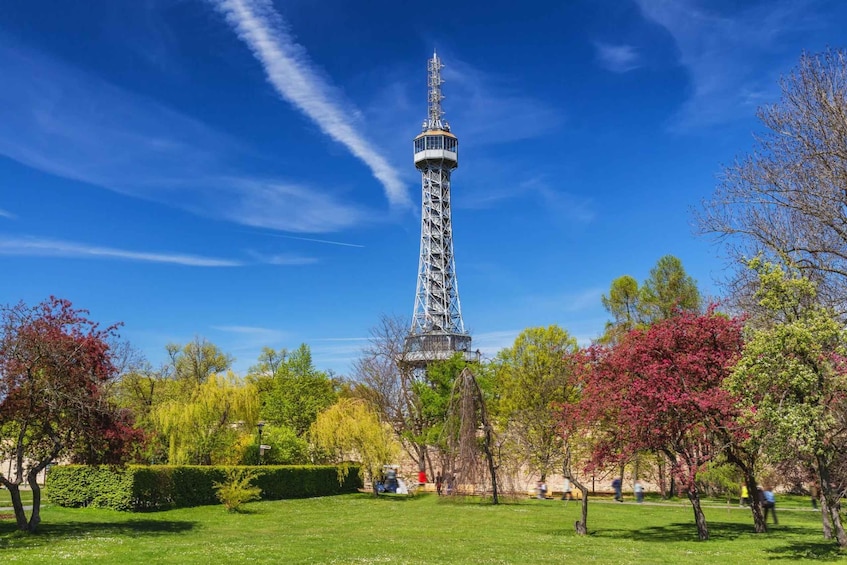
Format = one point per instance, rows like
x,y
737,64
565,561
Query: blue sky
x,y
242,169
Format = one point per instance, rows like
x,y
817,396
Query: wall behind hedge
x,y
159,487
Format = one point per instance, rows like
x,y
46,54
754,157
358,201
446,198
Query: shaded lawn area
x,y
361,529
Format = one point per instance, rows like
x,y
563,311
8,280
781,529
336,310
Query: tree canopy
x,y
55,364
786,198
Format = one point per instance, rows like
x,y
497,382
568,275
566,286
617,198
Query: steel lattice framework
x,y
437,328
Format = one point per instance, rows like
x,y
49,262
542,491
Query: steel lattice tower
x,y
437,328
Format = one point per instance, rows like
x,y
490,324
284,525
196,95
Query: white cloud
x,y
617,58
289,207
38,247
732,59
65,122
288,69
7,215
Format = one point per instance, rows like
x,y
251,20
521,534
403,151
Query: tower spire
x,y
434,82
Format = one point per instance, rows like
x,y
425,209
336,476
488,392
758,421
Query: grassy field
x,y
425,529
6,499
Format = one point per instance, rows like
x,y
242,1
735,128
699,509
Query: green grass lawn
x,y
6,499
425,529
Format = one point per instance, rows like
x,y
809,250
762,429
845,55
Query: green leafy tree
x,y
433,396
205,428
624,304
140,390
299,392
667,290
194,362
532,380
287,448
351,429
792,377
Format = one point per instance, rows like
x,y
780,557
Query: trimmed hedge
x,y
159,487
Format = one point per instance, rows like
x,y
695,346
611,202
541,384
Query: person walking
x,y
769,504
566,491
616,484
438,484
638,488
745,496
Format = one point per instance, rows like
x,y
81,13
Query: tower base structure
x,y
424,348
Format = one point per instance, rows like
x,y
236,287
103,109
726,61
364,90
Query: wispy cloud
x,y
552,199
492,108
291,73
282,259
490,343
617,58
733,59
570,302
38,247
326,241
7,215
256,334
65,122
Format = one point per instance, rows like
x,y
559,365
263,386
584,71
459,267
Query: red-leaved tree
x,y
659,389
54,364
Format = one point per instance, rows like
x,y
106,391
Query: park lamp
x,y
260,425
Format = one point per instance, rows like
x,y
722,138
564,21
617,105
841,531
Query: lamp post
x,y
260,425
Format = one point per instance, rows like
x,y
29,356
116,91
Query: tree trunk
x,y
827,525
755,503
581,526
15,494
699,517
35,516
829,504
486,444
421,449
744,460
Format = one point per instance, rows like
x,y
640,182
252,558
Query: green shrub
x,y
237,490
158,487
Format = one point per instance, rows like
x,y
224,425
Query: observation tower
x,y
437,331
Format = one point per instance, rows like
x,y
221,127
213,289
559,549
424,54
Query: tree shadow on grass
x,y
48,532
396,498
822,550
687,531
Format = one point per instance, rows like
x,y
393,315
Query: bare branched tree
x,y
388,385
788,199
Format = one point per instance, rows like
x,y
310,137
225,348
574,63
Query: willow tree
x,y
351,429
204,427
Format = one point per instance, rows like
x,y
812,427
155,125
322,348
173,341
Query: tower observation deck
x,y
437,331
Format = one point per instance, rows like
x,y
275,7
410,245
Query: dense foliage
x,y
159,487
55,365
